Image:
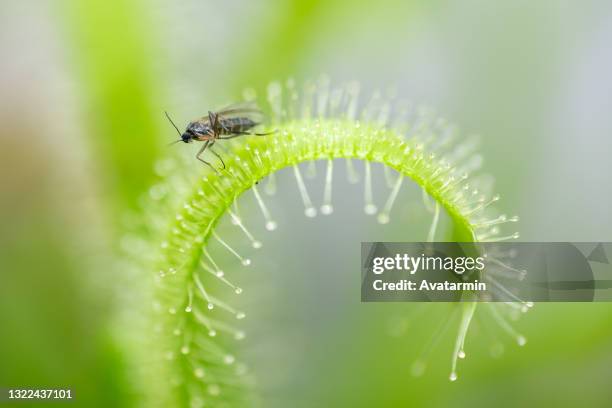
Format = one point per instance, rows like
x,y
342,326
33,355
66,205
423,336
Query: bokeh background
x,y
83,87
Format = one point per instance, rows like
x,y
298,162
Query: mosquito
x,y
233,121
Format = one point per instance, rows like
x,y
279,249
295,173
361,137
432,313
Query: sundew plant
x,y
193,329
134,275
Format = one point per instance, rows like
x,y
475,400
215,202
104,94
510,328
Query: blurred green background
x,y
83,90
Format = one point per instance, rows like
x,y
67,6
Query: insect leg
x,y
264,134
213,118
202,160
216,154
234,135
237,134
216,125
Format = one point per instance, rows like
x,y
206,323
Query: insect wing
x,y
243,110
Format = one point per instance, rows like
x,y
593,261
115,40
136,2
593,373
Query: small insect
x,y
233,121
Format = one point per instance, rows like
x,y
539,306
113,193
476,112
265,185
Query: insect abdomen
x,y
236,125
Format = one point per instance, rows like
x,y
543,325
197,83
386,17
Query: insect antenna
x,y
177,130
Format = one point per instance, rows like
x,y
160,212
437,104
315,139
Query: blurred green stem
x,y
113,63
